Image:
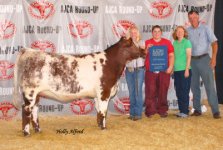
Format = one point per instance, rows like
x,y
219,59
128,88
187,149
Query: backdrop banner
x,y
82,27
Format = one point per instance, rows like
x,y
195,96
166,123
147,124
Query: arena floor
x,y
81,132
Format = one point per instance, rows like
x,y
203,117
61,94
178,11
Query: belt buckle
x,y
130,69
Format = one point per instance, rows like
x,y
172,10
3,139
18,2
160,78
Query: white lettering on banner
x,y
79,9
79,49
10,8
123,9
6,91
173,103
158,52
200,9
19,8
123,87
130,9
111,10
86,48
6,8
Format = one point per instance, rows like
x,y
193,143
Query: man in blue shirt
x,y
201,37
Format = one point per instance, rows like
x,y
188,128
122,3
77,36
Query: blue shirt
x,y
201,39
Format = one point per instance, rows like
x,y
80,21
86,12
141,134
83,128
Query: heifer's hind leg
x,y
26,116
27,109
101,116
34,116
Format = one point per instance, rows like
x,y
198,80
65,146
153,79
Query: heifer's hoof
x,y
103,128
37,130
26,134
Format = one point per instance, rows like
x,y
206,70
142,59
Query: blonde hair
x,y
175,33
130,29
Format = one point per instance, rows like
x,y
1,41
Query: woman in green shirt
x,y
182,69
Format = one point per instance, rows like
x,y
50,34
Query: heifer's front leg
x,y
101,116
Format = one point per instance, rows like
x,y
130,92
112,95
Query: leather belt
x,y
131,69
198,57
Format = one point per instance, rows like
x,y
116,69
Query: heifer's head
x,y
130,49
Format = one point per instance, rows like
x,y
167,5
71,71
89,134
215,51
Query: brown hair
x,y
156,26
175,33
193,11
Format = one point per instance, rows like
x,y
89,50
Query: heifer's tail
x,y
17,101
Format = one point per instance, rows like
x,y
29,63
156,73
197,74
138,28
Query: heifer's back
x,y
61,77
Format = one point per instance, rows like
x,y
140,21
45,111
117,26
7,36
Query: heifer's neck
x,y
117,59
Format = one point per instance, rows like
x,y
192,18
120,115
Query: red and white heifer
x,y
68,77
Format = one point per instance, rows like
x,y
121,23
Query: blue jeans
x,y
201,68
135,81
182,87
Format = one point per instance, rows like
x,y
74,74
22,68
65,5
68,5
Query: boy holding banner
x,y
159,65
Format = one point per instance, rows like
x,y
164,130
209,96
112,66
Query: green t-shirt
x,y
180,54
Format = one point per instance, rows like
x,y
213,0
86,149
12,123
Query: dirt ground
x,y
81,132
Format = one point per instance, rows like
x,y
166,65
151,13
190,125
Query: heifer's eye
x,y
130,42
123,38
